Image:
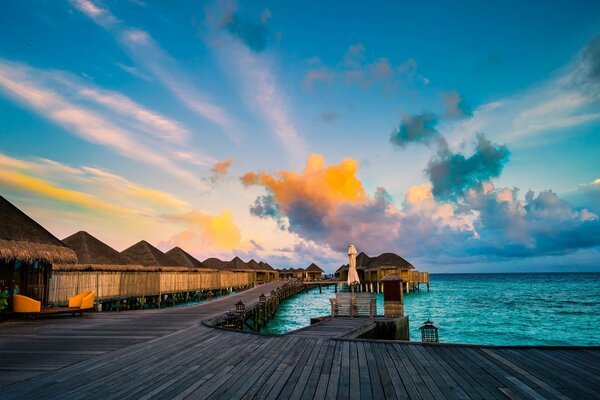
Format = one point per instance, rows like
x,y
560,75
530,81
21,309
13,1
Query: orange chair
x,y
23,304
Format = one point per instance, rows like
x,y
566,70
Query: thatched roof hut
x,y
240,265
145,254
215,263
90,250
255,266
314,268
389,261
184,259
23,239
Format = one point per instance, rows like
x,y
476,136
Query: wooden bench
x,y
357,305
32,308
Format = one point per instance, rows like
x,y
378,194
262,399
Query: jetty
x,y
170,353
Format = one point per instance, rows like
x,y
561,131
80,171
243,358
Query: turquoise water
x,y
497,309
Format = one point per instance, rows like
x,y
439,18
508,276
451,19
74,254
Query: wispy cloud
x,y
569,100
36,89
263,93
145,51
91,188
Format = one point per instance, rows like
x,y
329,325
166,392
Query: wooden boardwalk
x,y
169,354
334,328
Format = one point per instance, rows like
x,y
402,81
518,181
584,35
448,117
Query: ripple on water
x,y
499,309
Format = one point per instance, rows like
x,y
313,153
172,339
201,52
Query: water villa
x,y
313,272
373,270
39,266
27,252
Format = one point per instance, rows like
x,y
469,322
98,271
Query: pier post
x,y
393,300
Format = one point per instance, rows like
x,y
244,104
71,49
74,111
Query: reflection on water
x,y
500,309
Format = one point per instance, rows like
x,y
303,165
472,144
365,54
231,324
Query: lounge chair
x,y
77,305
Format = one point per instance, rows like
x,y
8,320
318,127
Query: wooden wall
x,y
126,284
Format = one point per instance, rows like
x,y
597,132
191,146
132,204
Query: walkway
x,y
168,354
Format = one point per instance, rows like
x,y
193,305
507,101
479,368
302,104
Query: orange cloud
x,y
220,169
318,185
37,186
207,233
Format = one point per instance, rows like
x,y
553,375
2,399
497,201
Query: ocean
x,y
549,309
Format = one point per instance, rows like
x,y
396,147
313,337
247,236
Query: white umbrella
x,y
352,274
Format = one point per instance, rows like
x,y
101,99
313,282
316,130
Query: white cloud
x,y
145,51
32,87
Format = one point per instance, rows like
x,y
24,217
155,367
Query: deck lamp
x,y
262,299
429,332
240,308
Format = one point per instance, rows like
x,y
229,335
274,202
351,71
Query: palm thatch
x,y
240,265
145,254
389,261
255,266
184,259
219,265
362,260
90,250
314,268
23,239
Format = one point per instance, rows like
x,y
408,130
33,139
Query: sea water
x,y
498,309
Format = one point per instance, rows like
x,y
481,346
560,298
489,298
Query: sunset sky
x,y
464,137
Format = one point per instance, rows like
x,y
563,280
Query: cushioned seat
x,y
24,304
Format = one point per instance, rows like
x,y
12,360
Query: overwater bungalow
x,y
372,270
27,252
313,272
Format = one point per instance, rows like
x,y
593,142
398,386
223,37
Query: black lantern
x,y
240,308
262,299
429,332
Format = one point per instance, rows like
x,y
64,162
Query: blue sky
x,y
194,126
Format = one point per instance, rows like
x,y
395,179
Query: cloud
x,y
263,93
456,105
89,189
317,75
533,226
483,223
548,111
357,69
101,16
420,128
207,234
453,174
50,95
220,169
254,35
329,117
146,120
140,45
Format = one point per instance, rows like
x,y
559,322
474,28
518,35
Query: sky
x,y
464,137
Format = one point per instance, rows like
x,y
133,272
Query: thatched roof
x,y
23,239
362,260
314,268
240,265
145,254
217,264
266,266
184,258
255,266
90,250
389,260
343,268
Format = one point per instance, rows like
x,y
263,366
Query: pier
x,y
169,353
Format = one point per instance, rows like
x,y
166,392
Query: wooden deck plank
x,y
169,354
